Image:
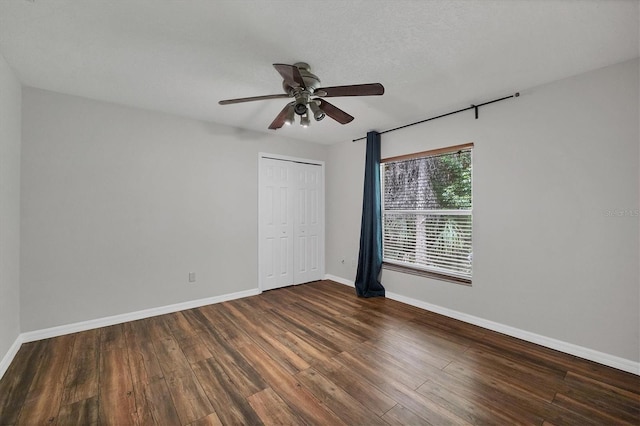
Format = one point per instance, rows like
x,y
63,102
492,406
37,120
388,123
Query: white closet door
x,y
276,220
306,259
291,230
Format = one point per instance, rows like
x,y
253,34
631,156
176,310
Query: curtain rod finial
x,y
516,95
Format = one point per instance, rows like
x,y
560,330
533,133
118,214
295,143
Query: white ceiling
x,y
182,57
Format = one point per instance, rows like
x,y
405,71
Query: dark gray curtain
x,y
370,257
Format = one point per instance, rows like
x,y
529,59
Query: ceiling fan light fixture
x,y
300,108
318,114
304,120
289,119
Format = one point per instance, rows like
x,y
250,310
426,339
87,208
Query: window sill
x,y
427,274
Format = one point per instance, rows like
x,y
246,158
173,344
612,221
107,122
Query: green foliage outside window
x,y
451,180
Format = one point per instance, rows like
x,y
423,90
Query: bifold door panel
x,y
291,225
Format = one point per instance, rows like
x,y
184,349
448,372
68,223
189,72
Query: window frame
x,y
420,270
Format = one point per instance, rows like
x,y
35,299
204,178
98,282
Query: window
x,y
427,213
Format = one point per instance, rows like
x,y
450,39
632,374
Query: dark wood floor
x,y
311,354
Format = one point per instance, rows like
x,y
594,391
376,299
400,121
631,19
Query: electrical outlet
x,y
192,277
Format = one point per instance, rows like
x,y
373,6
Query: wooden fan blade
x,y
290,74
280,118
372,89
253,98
334,112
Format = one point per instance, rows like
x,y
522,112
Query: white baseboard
x,y
339,280
559,345
11,353
47,333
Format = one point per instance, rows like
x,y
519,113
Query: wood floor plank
x,y
470,407
170,357
600,416
16,382
603,390
502,398
364,392
246,379
273,317
411,376
401,393
410,398
257,304
190,316
227,356
281,353
253,318
144,415
305,404
304,324
188,397
272,409
401,416
43,401
283,296
117,405
154,404
118,408
114,371
437,341
451,327
194,349
561,416
143,361
380,321
411,352
180,326
112,337
82,412
524,352
324,314
254,327
157,328
501,377
308,299
209,420
337,399
304,355
223,325
81,382
230,405
305,347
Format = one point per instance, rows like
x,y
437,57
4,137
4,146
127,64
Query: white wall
x,y
548,167
10,99
120,204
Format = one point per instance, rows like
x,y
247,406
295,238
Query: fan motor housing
x,y
311,81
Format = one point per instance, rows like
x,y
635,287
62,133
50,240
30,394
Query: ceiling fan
x,y
303,86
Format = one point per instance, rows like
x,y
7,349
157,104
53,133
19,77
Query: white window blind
x,y
427,213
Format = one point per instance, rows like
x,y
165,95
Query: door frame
x,y
264,155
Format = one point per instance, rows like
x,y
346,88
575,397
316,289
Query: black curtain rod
x,y
474,107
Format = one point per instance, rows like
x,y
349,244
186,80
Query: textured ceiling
x,y
181,57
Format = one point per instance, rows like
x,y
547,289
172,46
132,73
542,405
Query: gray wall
x,y
119,204
10,100
549,167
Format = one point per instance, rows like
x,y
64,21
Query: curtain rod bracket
x,y
475,110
